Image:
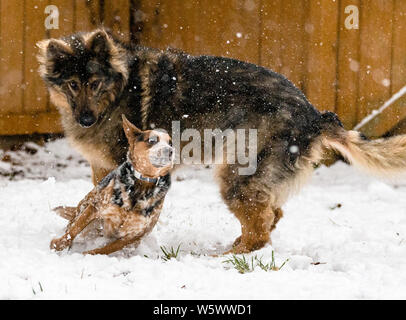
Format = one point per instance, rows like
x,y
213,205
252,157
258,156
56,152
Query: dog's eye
x,y
95,84
73,85
153,140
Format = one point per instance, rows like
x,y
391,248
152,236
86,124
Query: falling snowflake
x,y
293,149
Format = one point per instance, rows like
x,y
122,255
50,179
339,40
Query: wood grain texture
x,y
321,64
11,56
270,42
375,62
198,27
17,124
240,35
86,15
353,72
293,40
397,111
347,68
34,90
116,15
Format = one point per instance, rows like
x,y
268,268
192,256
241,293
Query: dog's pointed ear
x,y
58,50
102,45
52,55
130,130
99,44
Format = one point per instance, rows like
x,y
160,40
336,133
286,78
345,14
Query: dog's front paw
x,y
61,243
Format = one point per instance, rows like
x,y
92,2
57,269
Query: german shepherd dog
x,y
93,78
129,199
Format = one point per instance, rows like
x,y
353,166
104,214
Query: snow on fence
x,y
376,112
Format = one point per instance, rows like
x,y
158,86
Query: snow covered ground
x,y
344,236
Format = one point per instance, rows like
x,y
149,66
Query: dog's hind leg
x,y
74,228
251,206
278,215
256,221
256,200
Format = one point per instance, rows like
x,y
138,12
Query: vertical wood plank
x,y
397,111
172,24
180,17
232,32
87,15
171,19
117,17
270,55
148,16
399,47
210,32
348,68
292,40
321,63
35,94
189,26
375,61
241,36
11,56
200,28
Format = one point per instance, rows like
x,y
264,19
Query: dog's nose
x,y
169,152
87,119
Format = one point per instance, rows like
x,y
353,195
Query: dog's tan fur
x,y
383,157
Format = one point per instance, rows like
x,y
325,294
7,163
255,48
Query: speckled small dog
x,y
129,199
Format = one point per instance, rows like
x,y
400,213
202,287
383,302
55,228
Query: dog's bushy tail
x,y
383,157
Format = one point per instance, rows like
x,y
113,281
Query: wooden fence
x,y
24,102
349,71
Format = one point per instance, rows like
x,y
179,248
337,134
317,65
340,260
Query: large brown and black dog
x,y
94,78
